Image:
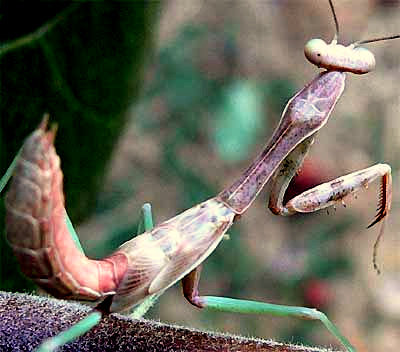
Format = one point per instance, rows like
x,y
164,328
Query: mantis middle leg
x,y
190,284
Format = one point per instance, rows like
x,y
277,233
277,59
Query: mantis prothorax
x,y
174,250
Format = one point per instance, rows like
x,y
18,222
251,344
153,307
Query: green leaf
x,y
238,121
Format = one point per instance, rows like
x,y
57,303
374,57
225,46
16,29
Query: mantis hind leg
x,y
8,174
147,224
70,334
190,284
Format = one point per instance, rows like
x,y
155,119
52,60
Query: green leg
x,y
71,334
140,310
6,177
146,221
147,224
73,233
224,304
94,317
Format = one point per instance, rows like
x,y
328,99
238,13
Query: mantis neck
x,y
304,115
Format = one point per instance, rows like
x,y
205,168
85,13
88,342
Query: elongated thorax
x,y
304,115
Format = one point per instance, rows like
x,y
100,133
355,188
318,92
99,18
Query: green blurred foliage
x,y
238,121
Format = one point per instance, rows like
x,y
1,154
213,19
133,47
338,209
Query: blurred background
x,y
213,79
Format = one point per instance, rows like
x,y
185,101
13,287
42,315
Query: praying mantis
x,y
38,229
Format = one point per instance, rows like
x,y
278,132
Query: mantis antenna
x,y
359,42
337,57
396,36
335,38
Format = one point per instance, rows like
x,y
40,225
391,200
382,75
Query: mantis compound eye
x,y
315,51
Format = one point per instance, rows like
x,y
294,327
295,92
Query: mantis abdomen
x,y
36,228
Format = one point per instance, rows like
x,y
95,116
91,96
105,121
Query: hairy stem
x,y
26,320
